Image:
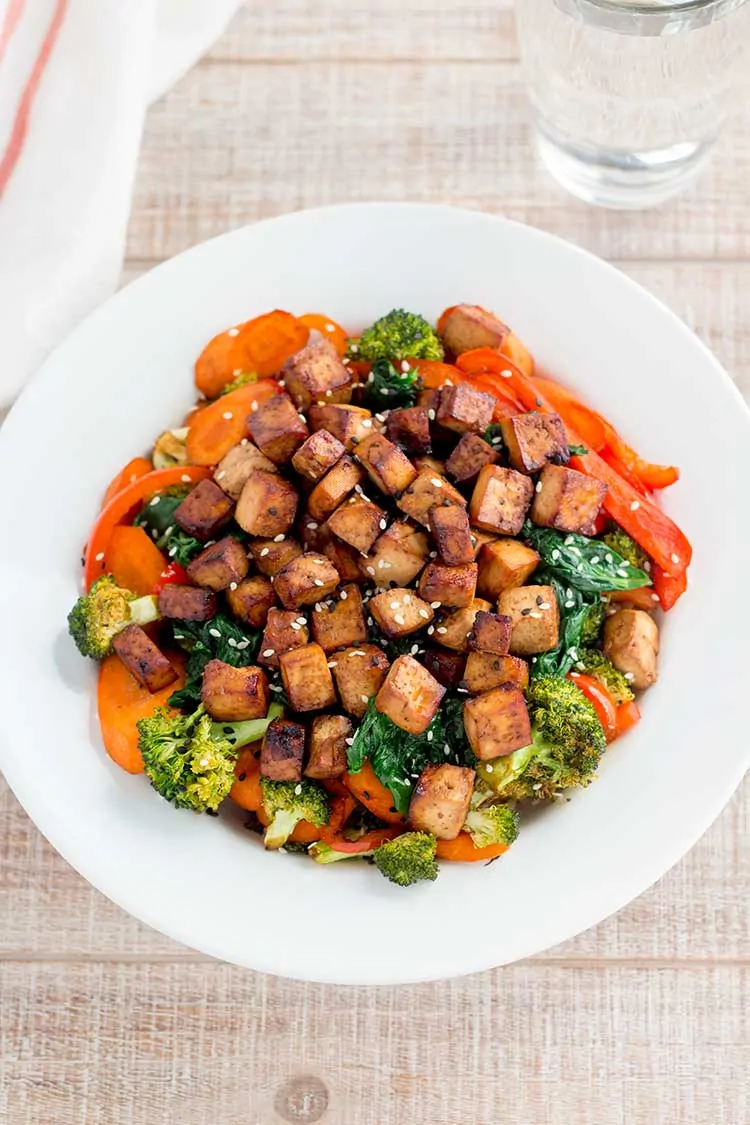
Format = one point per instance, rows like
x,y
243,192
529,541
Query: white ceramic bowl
x,y
127,372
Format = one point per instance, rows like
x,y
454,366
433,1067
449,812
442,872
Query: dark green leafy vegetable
x,y
157,519
592,625
577,450
575,609
589,565
493,435
233,645
387,388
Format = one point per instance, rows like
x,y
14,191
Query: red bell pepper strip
x,y
172,575
601,700
651,476
669,585
627,716
435,374
366,843
587,422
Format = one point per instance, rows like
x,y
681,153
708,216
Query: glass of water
x,y
629,95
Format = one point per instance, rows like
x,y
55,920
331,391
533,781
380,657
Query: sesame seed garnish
x,y
367,423
264,552
431,415
395,605
398,618
214,632
441,629
370,569
153,502
344,595
436,481
279,538
424,613
365,698
243,644
233,332
383,524
354,348
228,415
629,676
407,599
232,585
538,486
675,558
430,631
296,626
333,663
319,582
432,555
380,417
232,642
622,573
172,550
254,407
489,767
318,607
435,605
594,560
608,558
635,505
544,605
100,556
185,478
349,741
414,650
298,789
536,615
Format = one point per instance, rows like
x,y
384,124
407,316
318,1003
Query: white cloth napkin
x,y
76,77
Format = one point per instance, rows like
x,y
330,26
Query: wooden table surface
x,y
641,1021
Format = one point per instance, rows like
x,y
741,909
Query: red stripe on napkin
x,y
12,16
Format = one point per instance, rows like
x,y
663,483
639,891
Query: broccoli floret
x,y
241,380
620,542
107,609
594,663
568,741
170,449
189,759
398,335
286,803
493,824
592,623
408,859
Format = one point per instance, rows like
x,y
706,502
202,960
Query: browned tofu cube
x,y
282,751
307,678
469,457
479,538
452,629
342,623
469,326
409,427
500,500
397,555
400,612
277,429
305,580
427,491
491,633
272,555
432,463
534,439
317,455
251,600
187,603
429,398
535,617
204,511
345,559
349,424
441,799
317,374
334,488
497,723
358,522
631,642
450,529
285,630
233,694
449,585
328,746
567,500
485,671
234,468
143,659
359,674
503,565
410,695
465,410
267,505
387,467
447,667
219,565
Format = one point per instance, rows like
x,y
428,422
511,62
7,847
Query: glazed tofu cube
x,y
479,538
359,674
233,694
341,624
469,457
468,326
251,600
452,629
450,529
187,603
267,505
534,439
432,463
349,424
317,455
328,746
409,427
535,618
465,410
429,398
234,468
143,659
204,511
305,580
497,723
285,630
277,429
397,556
449,585
631,642
219,565
358,522
441,799
317,374
447,667
400,612
272,555
410,695
334,488
503,565
307,678
500,500
567,500
491,633
427,491
485,671
282,751
387,467
345,559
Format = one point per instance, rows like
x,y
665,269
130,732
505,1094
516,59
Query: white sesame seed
x,y
489,767
675,558
622,573
414,650
430,735
441,629
365,698
344,595
424,613
152,503
538,486
243,644
544,605
232,642
349,741
233,332
100,556
279,538
381,564
556,555
264,552
367,423
370,569
185,478
407,599
312,526
432,555
448,383
435,605
357,652
298,789
245,441
172,550
430,631
629,676
296,626
507,374
635,505
383,524
354,348
436,481
232,585
594,560
228,415
655,598
431,415
537,615
318,607
254,407
398,618
319,582
214,632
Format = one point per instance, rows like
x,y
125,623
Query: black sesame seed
x,y
525,612
242,777
540,600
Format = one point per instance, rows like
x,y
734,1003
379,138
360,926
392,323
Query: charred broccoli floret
x,y
594,663
408,859
593,621
398,335
286,803
620,542
492,824
107,609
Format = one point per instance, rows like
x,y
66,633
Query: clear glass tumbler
x,y
629,95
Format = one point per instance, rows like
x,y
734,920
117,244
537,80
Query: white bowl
x,y
127,372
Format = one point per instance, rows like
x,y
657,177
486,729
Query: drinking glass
x,y
629,95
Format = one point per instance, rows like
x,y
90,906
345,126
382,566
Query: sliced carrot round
x,y
372,794
262,345
121,702
329,329
223,424
134,560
